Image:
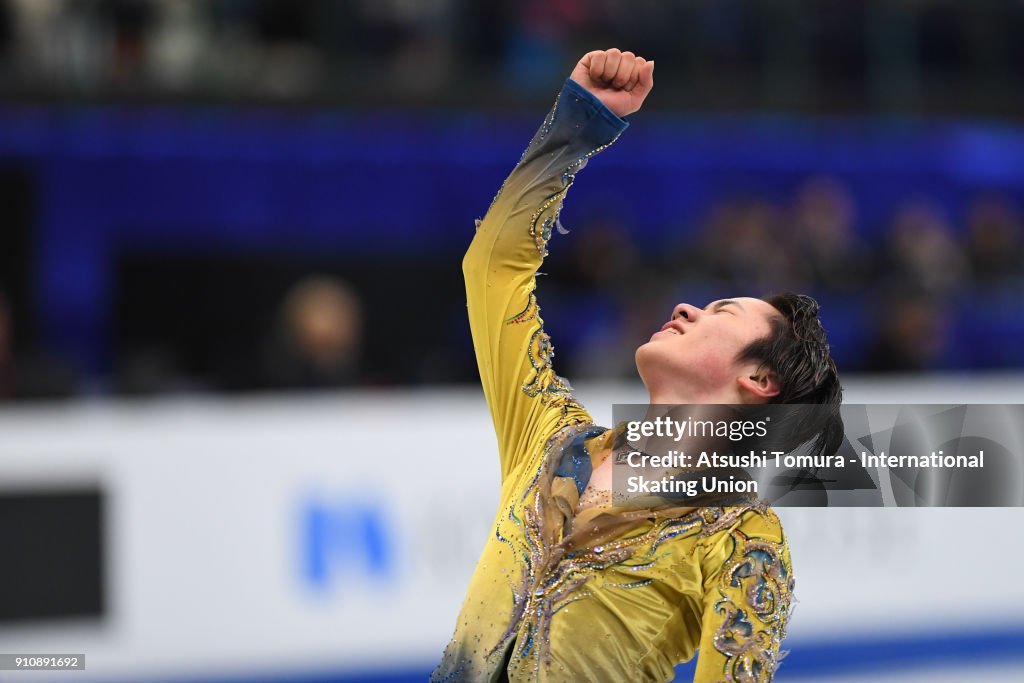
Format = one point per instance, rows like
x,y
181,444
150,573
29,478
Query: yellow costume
x,y
603,594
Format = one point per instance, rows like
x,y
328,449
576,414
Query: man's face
x,y
697,350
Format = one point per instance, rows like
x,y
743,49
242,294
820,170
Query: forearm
x,y
513,352
514,233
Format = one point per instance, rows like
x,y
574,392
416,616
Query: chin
x,y
645,358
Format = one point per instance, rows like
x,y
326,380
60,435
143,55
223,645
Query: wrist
x,y
594,102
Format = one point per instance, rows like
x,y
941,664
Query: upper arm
x,y
747,600
527,400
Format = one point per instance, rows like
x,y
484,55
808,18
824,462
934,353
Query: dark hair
x,y
797,354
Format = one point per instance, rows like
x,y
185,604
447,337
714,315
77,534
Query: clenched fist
x,y
621,80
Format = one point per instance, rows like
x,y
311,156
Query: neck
x,y
661,396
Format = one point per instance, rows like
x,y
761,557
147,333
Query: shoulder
x,y
757,520
762,522
750,540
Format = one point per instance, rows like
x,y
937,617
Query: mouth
x,y
673,326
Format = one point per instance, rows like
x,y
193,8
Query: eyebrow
x,y
719,305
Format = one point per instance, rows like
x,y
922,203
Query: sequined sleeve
x,y
527,400
747,604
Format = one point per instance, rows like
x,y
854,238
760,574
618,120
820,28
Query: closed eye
x,y
722,306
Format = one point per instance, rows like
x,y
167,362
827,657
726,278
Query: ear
x,y
758,383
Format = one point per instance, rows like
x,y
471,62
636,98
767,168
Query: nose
x,y
686,312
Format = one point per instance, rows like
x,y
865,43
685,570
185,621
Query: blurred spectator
x,y
178,38
318,340
995,247
912,333
537,47
719,54
744,245
291,63
832,255
416,42
922,251
130,21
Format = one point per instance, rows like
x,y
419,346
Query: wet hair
x,y
797,354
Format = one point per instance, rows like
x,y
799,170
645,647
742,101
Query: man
x,y
569,586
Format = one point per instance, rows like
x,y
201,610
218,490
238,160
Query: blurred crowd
x,y
922,293
906,55
919,289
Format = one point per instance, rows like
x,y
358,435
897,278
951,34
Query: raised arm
x,y
528,401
